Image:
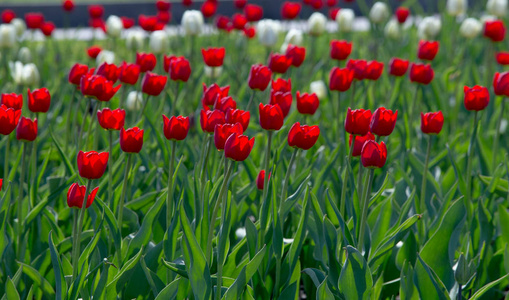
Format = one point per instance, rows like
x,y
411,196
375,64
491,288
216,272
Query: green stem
x,y
20,200
251,99
121,102
169,193
496,138
220,253
359,180
470,154
110,171
83,123
69,119
124,189
342,202
6,157
287,177
422,200
278,278
265,205
77,238
364,212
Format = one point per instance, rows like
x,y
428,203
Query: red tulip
x,y
109,71
239,3
303,137
34,20
223,131
271,117
238,116
476,98
13,100
427,50
212,93
421,73
26,130
7,16
91,165
76,72
208,9
373,155
98,24
239,21
502,58
432,122
358,66
340,79
213,57
259,77
39,100
253,12
94,51
223,23
153,84
317,4
402,14
307,104
68,5
357,121
290,10
225,104
187,2
129,73
360,140
177,67
383,121
95,11
281,85
146,61
47,28
494,30
98,87
1,183
238,147
111,119
296,54
501,84
175,128
340,50
9,118
333,12
127,22
131,140
279,63
210,118
373,70
283,99
164,17
249,32
260,179
150,23
76,195
162,5
331,3
398,66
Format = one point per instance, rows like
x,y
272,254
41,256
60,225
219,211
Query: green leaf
x,y
428,283
66,161
10,290
503,216
39,280
61,286
485,288
355,281
323,291
316,275
124,272
235,290
170,291
100,290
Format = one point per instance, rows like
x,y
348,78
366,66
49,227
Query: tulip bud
x,y
457,7
470,28
316,23
19,26
24,55
134,101
105,56
461,272
24,74
268,31
159,42
134,40
497,7
393,29
379,13
429,28
7,36
114,26
345,18
192,22
318,87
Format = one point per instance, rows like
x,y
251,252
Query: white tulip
x,y
24,74
379,13
345,18
20,26
134,101
457,7
114,26
105,56
135,39
213,72
393,29
159,42
24,55
429,28
267,31
470,28
497,7
316,23
318,87
240,233
7,36
294,37
192,22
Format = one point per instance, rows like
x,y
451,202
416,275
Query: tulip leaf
x,y
355,281
170,291
428,283
61,286
39,280
10,290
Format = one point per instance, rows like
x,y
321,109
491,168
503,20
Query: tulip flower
x,y
239,21
432,122
212,93
39,100
239,4
303,136
76,72
7,36
95,11
494,30
501,84
345,18
108,71
316,23
7,16
98,87
501,87
34,20
111,119
225,104
253,12
283,99
210,118
296,54
9,118
502,58
131,140
340,50
223,131
76,195
192,22
175,128
260,179
379,13
249,32
127,22
358,66
398,66
97,23
162,5
178,68
421,73
281,85
94,51
307,104
333,12
290,10
357,122
92,165
223,23
213,57
360,140
12,100
208,9
129,73
341,79
153,84
427,50
373,70
476,97
26,130
402,14
279,63
373,155
383,121
271,117
47,28
146,61
1,183
238,116
150,24
238,147
259,77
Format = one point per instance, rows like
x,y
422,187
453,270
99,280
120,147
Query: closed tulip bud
x,y
1,183
432,122
213,57
457,7
153,84
208,9
239,4
26,130
360,140
318,88
373,70
96,11
283,99
271,117
358,66
427,50
497,7
383,121
105,56
179,68
501,84
9,118
24,74
260,179
146,61
224,23
239,21
345,18
307,104
76,195
175,128
238,116
39,100
47,28
470,28
340,50
134,40
249,32
502,58
224,104
392,29
398,66
373,155
290,10
12,100
379,13
109,71
114,26
34,20
253,12
92,165
296,54
131,140
268,32
303,136
476,98
19,26
429,28
281,85
316,24
259,77
340,79
421,73
357,121
159,42
192,22
210,118
94,51
98,86
7,16
111,119
279,63
223,131
134,101
68,5
212,93
129,73
402,14
127,22
7,36
494,30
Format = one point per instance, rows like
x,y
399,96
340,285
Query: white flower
x,y
134,101
240,233
134,39
345,18
318,87
294,37
267,31
379,13
24,74
457,7
393,29
497,7
24,55
7,35
159,42
429,27
192,22
114,26
213,72
316,23
105,56
470,28
20,26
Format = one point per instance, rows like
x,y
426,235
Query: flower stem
x,y
110,171
422,200
496,138
124,189
364,212
251,99
169,193
265,205
470,154
77,238
342,202
6,157
287,177
83,123
69,119
20,200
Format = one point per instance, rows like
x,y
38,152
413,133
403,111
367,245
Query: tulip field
x,y
238,157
